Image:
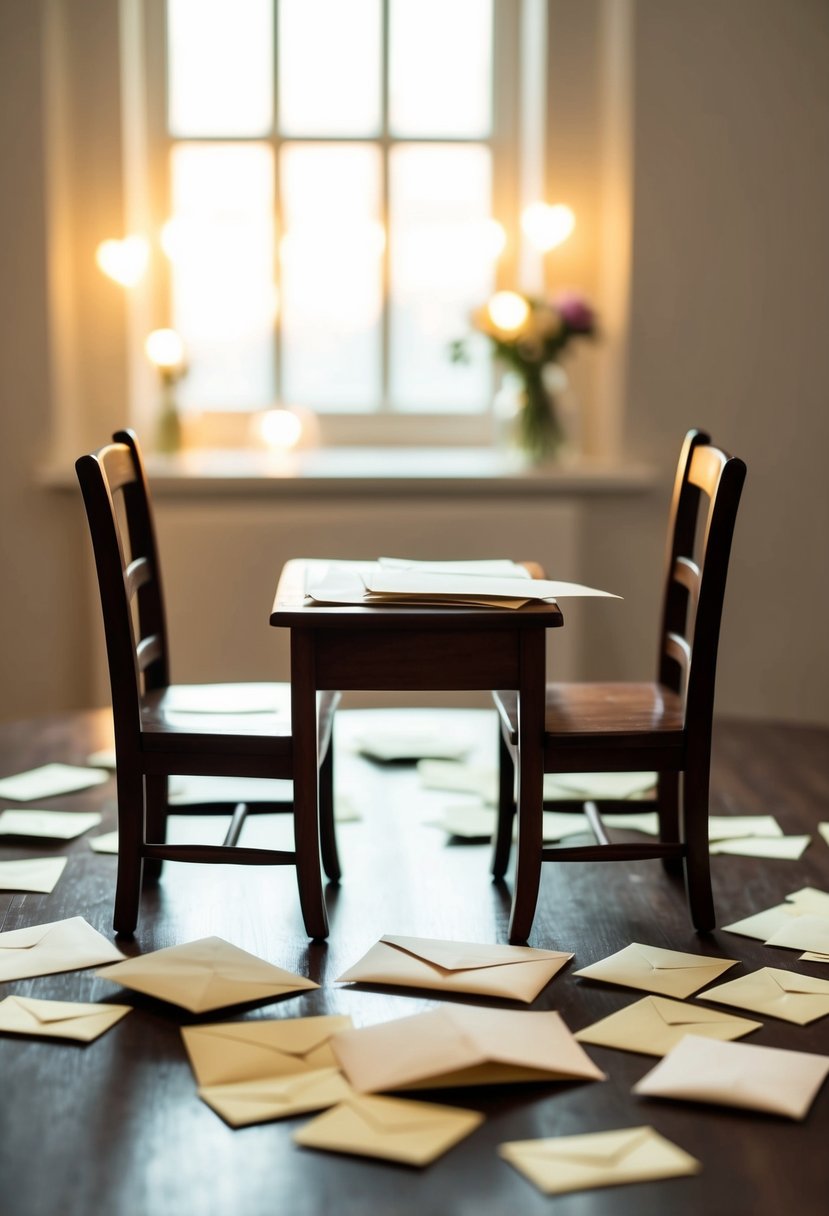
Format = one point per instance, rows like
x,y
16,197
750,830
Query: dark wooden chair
x,y
153,739
664,725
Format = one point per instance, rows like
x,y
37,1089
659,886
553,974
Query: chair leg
x,y
156,819
667,806
502,845
695,834
328,834
130,785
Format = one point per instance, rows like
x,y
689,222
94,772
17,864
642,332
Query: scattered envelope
x,y
669,972
392,1129
31,874
738,1074
516,973
784,848
459,1045
579,1163
780,994
61,945
807,932
204,975
812,957
51,825
475,821
823,828
762,924
810,899
244,1102
734,827
249,1051
192,790
606,785
105,758
654,1025
107,843
50,780
461,778
388,745
58,1019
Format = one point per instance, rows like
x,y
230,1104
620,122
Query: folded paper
x,y
241,1103
768,1079
654,1026
392,1129
389,745
61,945
808,932
475,821
459,1045
516,973
779,994
228,699
248,1051
598,1159
106,843
783,848
654,969
204,975
31,874
50,780
58,1019
51,825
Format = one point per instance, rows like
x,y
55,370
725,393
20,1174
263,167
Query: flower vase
x,y
539,431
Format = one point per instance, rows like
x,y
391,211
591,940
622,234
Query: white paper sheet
x,y
51,825
50,780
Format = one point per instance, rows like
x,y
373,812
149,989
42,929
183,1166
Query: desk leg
x,y
530,766
305,732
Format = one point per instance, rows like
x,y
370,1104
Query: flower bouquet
x,y
529,335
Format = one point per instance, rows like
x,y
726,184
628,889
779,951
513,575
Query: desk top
x,y
116,1127
292,608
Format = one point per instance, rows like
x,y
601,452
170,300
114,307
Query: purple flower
x,y
576,313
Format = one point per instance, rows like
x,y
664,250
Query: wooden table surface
x,y
115,1128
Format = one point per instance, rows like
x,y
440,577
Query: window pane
x,y
220,67
221,242
442,266
331,260
329,67
440,68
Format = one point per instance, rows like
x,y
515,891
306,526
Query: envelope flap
x,y
789,983
287,1036
676,1013
463,956
600,1149
674,960
59,1011
26,939
391,1116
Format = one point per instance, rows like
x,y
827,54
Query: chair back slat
x,y
707,493
115,492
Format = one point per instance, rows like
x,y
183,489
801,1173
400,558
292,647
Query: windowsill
x,y
348,471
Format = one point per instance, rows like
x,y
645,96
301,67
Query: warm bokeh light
x,y
123,261
508,311
280,429
547,226
493,238
165,350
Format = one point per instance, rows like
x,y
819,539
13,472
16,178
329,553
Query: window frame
x,y
382,426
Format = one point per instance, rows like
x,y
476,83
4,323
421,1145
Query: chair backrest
x,y
706,496
118,508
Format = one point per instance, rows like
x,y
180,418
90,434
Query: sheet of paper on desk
x,y
31,874
470,587
50,780
50,825
499,567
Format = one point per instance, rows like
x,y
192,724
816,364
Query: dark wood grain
x,y
116,1127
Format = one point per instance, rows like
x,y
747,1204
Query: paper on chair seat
x,y
515,973
769,1079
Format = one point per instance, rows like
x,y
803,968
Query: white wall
x,y
729,296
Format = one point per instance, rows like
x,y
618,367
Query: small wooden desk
x,y
424,649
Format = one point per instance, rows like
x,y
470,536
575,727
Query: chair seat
x,y
579,712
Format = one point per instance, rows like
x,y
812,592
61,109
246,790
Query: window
x,y
334,182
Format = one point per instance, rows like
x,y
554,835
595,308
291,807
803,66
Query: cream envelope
x,y
810,899
782,848
811,957
517,973
386,744
393,1129
655,1025
247,1051
206,974
579,1163
462,1045
52,825
461,778
61,945
738,1074
780,994
50,780
245,1102
31,874
807,932
763,924
606,785
823,828
107,843
58,1019
475,821
669,972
